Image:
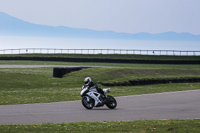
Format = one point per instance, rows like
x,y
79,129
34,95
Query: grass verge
x,y
36,85
124,65
146,126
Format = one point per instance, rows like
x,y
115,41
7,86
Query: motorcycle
x,y
91,98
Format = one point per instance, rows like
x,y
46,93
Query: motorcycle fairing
x,y
96,98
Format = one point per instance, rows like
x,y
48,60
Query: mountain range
x,y
12,26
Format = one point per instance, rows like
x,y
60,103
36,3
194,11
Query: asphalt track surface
x,y
169,105
36,66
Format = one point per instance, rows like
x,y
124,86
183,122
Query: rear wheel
x,y
87,104
111,102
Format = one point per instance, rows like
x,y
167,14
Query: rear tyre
x,y
111,102
87,104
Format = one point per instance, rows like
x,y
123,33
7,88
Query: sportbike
x,y
91,98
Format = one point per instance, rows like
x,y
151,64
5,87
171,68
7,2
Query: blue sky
x,y
130,16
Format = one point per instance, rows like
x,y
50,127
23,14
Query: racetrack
x,y
36,66
169,105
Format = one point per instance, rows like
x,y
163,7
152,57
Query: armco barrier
x,y
103,60
154,81
60,72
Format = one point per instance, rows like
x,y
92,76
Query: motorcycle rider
x,y
88,82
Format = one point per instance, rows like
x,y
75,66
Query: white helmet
x,y
87,80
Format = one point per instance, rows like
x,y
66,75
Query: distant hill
x,y
13,26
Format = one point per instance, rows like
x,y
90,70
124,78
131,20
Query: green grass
x,y
139,66
116,75
146,126
36,85
109,56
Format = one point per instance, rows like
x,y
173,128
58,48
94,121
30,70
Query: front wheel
x,y
87,104
111,102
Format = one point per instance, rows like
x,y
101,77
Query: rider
x,y
88,82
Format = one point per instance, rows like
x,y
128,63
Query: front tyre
x,y
111,102
87,104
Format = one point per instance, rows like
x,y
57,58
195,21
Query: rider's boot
x,y
105,98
